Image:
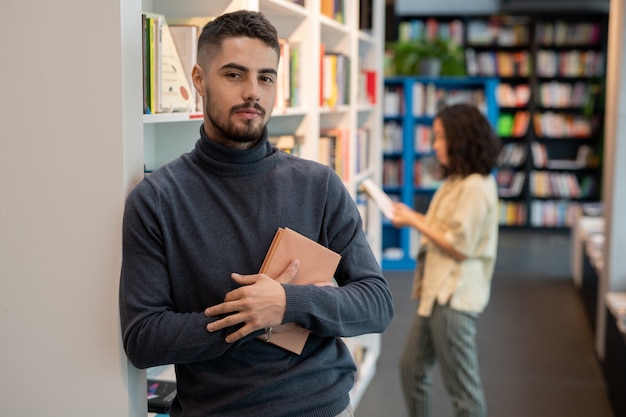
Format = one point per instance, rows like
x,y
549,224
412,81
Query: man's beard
x,y
240,134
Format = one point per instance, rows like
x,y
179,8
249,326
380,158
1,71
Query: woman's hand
x,y
403,215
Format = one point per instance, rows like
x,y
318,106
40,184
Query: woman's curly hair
x,y
473,146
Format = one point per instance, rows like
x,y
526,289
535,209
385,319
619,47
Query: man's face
x,y
238,87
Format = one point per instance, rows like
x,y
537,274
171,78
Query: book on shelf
x,y
512,96
145,62
287,143
169,87
317,265
513,124
327,8
327,149
333,9
540,156
512,213
392,172
497,31
175,89
331,89
423,103
365,15
198,22
336,79
419,92
161,394
151,55
288,76
563,33
557,125
512,155
392,137
573,63
367,86
322,75
186,40
392,101
551,213
378,196
283,81
512,187
334,152
430,100
558,94
422,138
294,75
545,184
362,153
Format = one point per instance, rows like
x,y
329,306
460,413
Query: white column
x,y
70,148
614,192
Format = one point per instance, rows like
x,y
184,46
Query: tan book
x,y
317,264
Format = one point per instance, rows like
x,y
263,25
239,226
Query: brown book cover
x,y
317,264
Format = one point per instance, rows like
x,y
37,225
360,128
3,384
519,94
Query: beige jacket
x,y
466,211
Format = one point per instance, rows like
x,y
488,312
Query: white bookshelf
x,y
166,136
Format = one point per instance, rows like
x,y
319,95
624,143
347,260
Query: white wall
x,y
64,149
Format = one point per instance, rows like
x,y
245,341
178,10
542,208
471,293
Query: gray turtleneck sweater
x,y
214,211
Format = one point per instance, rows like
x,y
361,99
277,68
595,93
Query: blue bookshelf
x,y
411,110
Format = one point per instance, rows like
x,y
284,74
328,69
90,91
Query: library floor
x,y
535,344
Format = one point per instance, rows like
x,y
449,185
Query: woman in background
x,y
455,266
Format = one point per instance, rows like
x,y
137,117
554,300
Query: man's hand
x,y
259,303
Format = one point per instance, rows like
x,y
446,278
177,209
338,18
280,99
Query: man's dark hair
x,y
242,23
473,146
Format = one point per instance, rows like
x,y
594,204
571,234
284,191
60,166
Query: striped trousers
x,y
448,336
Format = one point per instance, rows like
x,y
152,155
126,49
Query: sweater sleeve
x,y
362,302
153,331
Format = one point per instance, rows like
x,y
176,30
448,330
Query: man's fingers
x,y
223,308
230,321
289,273
244,279
253,305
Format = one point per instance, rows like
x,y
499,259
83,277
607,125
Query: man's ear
x,y
197,76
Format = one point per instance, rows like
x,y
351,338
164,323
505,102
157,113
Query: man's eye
x,y
233,75
267,79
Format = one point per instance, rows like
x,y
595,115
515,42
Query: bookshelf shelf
x,y
171,117
167,135
558,63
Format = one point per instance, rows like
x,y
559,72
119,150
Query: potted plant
x,y
433,57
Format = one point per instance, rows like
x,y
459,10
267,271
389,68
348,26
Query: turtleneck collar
x,y
226,161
